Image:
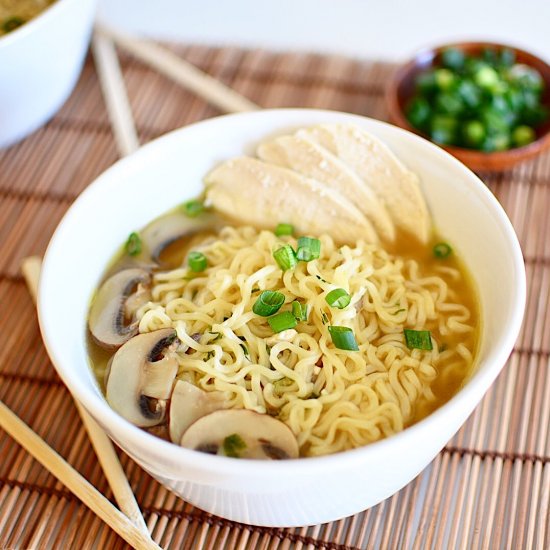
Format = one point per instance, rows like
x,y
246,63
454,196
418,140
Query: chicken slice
x,y
313,161
263,195
381,170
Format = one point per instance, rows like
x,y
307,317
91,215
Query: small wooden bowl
x,y
402,88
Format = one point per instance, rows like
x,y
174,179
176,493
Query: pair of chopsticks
x,y
128,522
166,63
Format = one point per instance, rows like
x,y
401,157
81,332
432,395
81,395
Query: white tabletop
x,y
381,29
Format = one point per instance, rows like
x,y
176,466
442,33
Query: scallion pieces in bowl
x,y
284,229
282,321
442,250
343,338
197,261
308,249
285,257
338,298
418,339
133,244
268,303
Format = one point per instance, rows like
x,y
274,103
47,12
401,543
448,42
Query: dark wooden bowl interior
x,y
402,88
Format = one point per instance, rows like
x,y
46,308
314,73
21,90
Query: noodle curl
x,y
331,399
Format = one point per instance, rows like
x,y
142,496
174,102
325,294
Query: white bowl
x,y
39,66
169,171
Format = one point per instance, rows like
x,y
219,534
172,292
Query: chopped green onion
x,y
308,249
268,303
338,298
343,338
232,445
197,261
418,339
193,208
442,250
133,244
284,229
282,321
12,23
299,310
285,257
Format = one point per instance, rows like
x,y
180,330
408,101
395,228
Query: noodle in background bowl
x,y
305,491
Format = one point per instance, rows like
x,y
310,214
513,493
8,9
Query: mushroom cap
x,y
264,437
107,313
169,228
188,404
141,377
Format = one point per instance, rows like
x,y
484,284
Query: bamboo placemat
x,y
489,488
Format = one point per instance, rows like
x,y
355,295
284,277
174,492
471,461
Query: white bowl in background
x,y
306,491
39,65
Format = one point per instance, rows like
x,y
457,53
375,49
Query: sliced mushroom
x,y
243,434
108,315
142,375
190,403
167,229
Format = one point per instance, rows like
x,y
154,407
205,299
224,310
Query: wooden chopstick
x,y
102,444
114,94
184,73
73,480
131,526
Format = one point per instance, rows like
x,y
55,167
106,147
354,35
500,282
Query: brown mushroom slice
x,y
190,403
141,377
241,434
167,229
108,321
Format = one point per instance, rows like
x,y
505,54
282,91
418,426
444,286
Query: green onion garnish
x,y
193,208
299,311
133,244
418,339
12,23
308,249
197,261
284,229
268,303
343,338
232,445
338,298
285,257
282,321
442,250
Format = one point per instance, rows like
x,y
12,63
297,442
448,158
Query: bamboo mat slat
x,y
489,487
